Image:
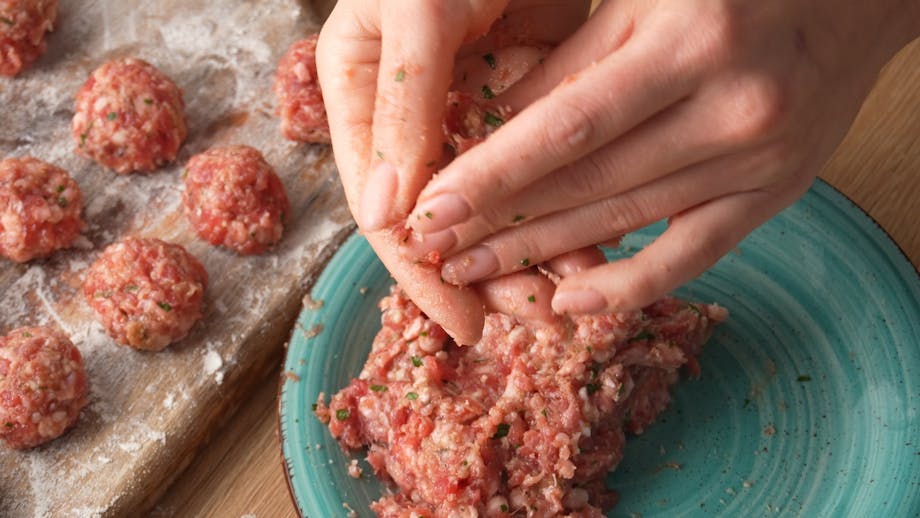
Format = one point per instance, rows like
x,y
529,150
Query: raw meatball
x,y
234,198
42,386
129,117
300,101
39,209
23,24
146,292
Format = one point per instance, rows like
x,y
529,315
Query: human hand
x,y
715,114
385,74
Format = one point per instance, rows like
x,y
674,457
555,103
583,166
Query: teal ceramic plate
x,y
808,405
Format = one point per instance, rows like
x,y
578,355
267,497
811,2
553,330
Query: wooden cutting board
x,y
149,412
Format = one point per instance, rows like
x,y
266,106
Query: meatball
x,y
468,121
129,117
23,24
300,100
42,386
39,209
234,198
146,292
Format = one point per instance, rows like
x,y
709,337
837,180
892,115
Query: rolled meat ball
x,y
146,292
42,386
300,100
129,117
233,198
23,24
39,209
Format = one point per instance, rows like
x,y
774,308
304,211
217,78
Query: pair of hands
x,y
714,114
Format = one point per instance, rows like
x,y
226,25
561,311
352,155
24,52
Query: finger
x,y
525,295
536,241
414,75
691,131
457,310
693,242
569,122
576,261
346,57
606,31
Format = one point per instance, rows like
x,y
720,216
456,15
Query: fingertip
x,y
576,261
525,295
377,197
578,301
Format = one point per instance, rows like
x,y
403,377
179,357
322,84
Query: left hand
x,y
385,70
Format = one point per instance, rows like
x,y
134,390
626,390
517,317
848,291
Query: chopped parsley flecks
x,y
490,60
493,120
342,414
645,334
502,430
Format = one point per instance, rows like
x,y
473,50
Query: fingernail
x,y
578,302
470,266
420,246
377,197
439,212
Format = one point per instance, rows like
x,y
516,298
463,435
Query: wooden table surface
x,y
239,473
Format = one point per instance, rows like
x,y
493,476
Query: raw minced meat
x,y
39,209
146,292
23,24
526,422
129,117
234,198
468,120
300,100
42,386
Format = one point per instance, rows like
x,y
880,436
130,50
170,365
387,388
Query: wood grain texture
x,y
148,413
878,166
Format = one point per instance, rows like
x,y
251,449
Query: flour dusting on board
x,y
145,408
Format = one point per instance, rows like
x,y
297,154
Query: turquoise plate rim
x,y
293,437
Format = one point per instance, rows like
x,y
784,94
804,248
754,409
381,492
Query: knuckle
x,y
585,182
760,109
568,129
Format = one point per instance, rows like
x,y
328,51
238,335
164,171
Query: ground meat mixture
x,y
234,198
42,386
23,24
39,209
129,117
146,292
300,101
527,422
468,121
